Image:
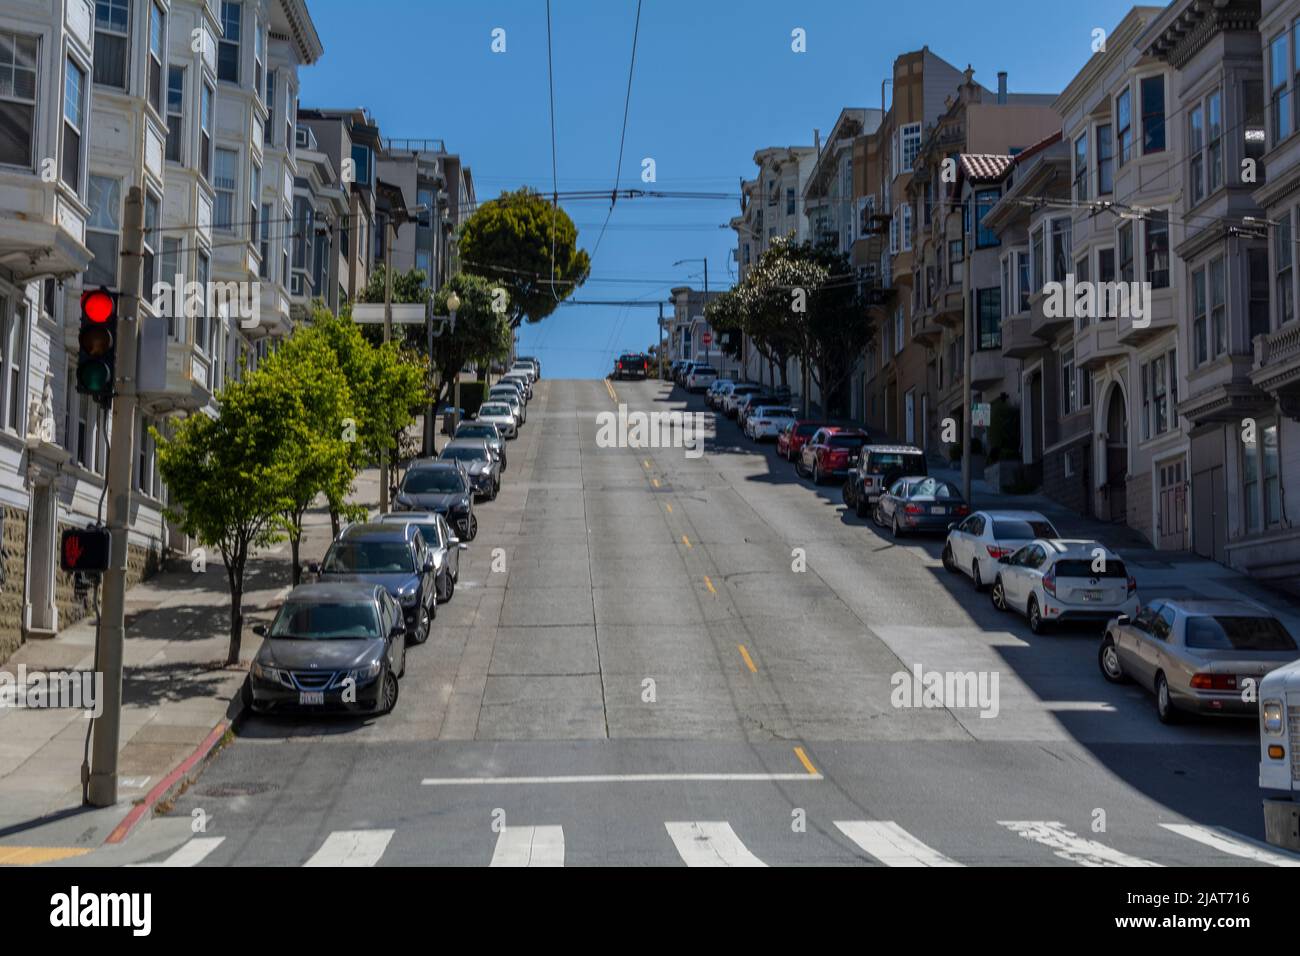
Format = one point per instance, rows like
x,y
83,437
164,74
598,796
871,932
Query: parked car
x,y
524,367
791,439
331,646
683,370
719,388
748,403
919,503
975,546
700,377
675,370
830,452
1196,655
442,544
443,487
501,415
480,465
766,421
631,365
1279,710
535,363
394,556
486,431
878,467
512,385
523,380
731,401
1052,579
505,393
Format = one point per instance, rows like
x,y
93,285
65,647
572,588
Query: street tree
x,y
530,246
482,333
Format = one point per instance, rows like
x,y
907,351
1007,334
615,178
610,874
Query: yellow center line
x,y
709,584
655,482
749,661
669,507
687,541
803,759
645,462
26,855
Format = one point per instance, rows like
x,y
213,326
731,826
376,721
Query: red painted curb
x,y
163,786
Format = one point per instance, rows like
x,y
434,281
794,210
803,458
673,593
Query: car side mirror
x,y
313,567
428,565
1123,619
261,630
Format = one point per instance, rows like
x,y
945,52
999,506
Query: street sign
x,y
981,414
707,338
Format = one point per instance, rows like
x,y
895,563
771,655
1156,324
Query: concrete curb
x,y
181,775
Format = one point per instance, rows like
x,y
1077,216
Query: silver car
x,y
488,433
480,464
441,543
501,393
1197,656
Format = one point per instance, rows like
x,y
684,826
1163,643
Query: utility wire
x,y
622,138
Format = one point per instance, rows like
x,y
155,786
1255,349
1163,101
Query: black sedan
x,y
919,503
330,647
441,486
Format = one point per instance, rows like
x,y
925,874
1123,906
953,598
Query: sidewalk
x,y
1158,573
178,697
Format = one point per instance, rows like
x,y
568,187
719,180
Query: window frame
x,y
1081,168
156,60
1154,121
77,129
123,37
225,43
176,135
14,101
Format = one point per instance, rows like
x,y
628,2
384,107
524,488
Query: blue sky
x,y
715,80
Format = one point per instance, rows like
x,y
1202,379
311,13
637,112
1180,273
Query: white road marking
x,y
530,846
710,844
1086,706
1234,844
191,853
891,844
1070,846
624,778
351,848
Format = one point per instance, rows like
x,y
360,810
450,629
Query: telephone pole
x,y
388,335
101,786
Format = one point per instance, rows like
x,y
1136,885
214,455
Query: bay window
x,y
112,40
1153,114
1062,236
1081,168
1280,97
1124,125
103,228
205,133
224,181
156,57
1105,161
1157,249
1126,252
74,111
232,15
176,113
18,56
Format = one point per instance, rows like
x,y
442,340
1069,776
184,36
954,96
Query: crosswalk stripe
x,y
1232,843
191,853
529,846
1070,846
710,844
891,844
351,848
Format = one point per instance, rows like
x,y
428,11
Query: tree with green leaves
x,y
230,478
482,334
530,246
321,464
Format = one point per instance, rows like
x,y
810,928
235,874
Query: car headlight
x,y
271,674
1270,712
368,672
407,598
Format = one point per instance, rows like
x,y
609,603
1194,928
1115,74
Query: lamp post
x,y
453,303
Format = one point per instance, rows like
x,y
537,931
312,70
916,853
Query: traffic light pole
x,y
102,786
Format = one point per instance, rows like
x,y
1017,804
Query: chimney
x,y
817,141
1002,87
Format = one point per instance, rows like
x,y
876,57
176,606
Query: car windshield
x,y
704,370
368,556
1015,529
495,408
326,621
776,411
847,441
425,481
1108,568
806,430
428,531
476,431
465,453
507,394
892,462
1225,632
933,488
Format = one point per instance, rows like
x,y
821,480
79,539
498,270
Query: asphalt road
x,y
688,660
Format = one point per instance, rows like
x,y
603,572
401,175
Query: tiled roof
x,y
984,167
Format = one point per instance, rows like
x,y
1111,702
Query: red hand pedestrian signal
x,y
84,549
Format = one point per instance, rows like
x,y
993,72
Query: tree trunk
x,y
235,573
294,543
334,521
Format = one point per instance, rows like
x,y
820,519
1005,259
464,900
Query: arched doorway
x,y
1116,486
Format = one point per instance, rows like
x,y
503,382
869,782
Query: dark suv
x,y
394,556
631,365
441,486
875,470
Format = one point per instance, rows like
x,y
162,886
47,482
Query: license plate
x,y
1092,595
938,510
306,697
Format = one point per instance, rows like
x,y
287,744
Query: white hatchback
x,y
766,421
975,546
1051,579
700,377
499,414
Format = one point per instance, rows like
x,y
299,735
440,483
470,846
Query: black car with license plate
x,y
441,486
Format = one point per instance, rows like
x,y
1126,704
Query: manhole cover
x,y
236,790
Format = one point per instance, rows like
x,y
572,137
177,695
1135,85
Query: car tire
x,y
817,473
246,695
1165,709
876,517
1037,623
975,575
422,627
473,527
894,529
451,588
1108,661
998,594
388,693
949,564
846,493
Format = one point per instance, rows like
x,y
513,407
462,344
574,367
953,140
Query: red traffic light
x,y
98,305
